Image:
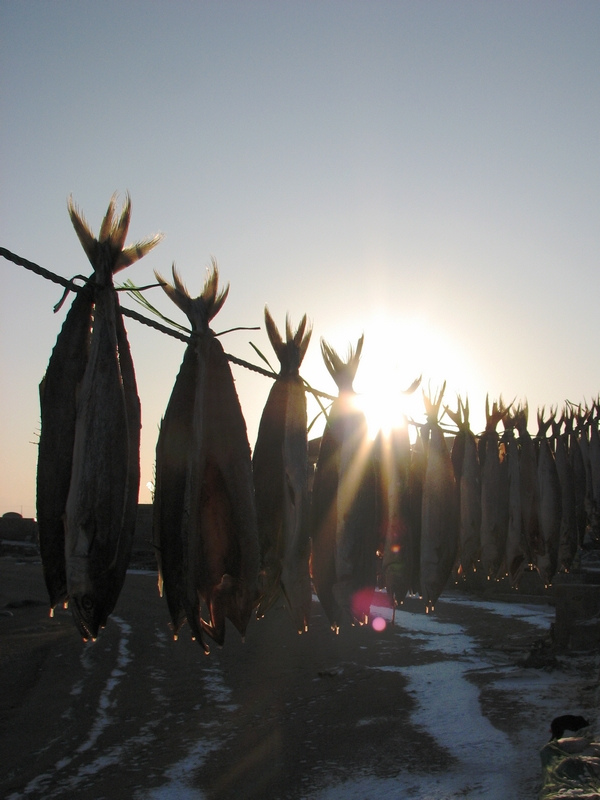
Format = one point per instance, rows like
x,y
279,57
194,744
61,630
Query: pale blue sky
x,y
425,172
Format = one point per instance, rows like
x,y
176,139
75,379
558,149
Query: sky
x,y
426,173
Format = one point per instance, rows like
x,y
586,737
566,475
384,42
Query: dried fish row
x,y
510,493
525,510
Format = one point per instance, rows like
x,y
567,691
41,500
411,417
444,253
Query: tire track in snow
x,y
179,777
102,719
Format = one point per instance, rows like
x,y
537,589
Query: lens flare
x,y
379,624
361,603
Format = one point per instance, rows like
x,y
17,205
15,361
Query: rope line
x,y
70,285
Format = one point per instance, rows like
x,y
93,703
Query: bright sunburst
x,y
396,352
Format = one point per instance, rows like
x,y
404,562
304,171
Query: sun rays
x,y
396,353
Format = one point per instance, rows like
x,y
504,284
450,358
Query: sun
x,y
396,352
384,403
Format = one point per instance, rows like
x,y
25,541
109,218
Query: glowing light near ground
x,y
361,603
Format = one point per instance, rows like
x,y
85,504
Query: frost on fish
x,y
439,532
280,471
344,515
99,513
204,522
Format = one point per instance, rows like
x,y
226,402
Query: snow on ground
x,y
490,763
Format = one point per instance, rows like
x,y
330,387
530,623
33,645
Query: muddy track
x,y
279,715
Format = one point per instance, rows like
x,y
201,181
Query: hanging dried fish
x,y
579,477
344,524
173,455
467,472
398,540
204,526
439,533
103,489
280,470
416,481
567,540
594,455
549,503
583,419
494,502
517,549
528,485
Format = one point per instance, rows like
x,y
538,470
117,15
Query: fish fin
x,y
298,338
274,335
414,386
83,230
119,227
109,220
302,338
465,408
214,299
134,252
455,416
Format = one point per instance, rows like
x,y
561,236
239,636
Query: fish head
x,y
239,601
88,614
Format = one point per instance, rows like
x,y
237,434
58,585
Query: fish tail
x,y
83,230
199,310
112,236
342,372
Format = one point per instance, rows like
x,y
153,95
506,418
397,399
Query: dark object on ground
x,y
567,722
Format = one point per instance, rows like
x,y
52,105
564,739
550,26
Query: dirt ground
x,y
276,716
